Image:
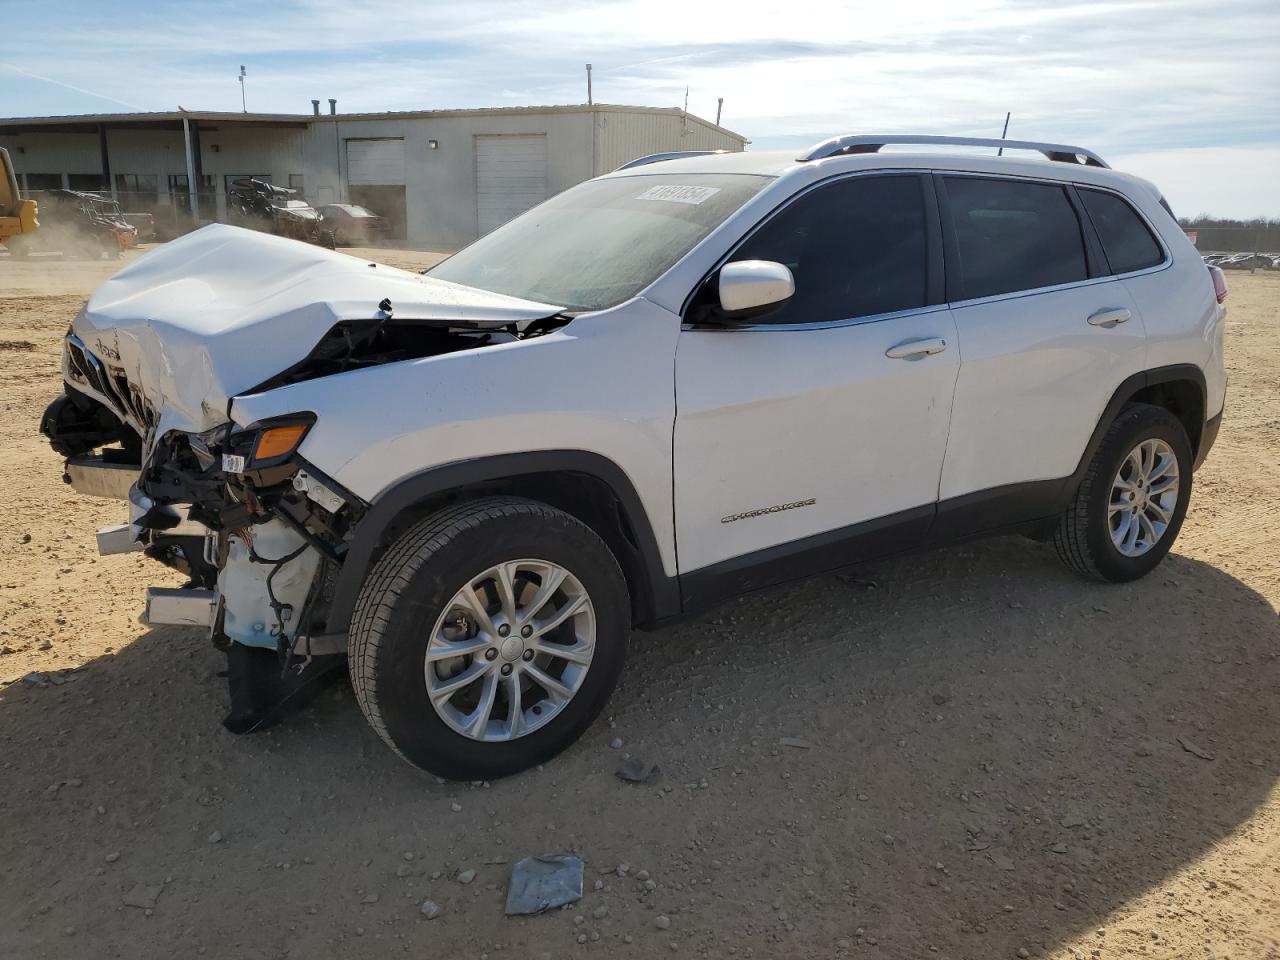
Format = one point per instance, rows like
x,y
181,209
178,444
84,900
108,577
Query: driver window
x,y
856,248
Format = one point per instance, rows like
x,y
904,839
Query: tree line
x,y
1205,220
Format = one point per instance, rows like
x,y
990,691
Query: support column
x,y
197,161
106,160
191,170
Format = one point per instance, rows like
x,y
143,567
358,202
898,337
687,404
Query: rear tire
x,y
408,620
1125,517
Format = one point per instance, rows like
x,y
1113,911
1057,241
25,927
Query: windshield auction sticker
x,y
675,193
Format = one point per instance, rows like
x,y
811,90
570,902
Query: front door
x,y
815,434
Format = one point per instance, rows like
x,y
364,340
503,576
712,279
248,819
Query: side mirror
x,y
748,287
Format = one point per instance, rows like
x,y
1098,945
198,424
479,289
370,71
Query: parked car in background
x,y
354,225
77,224
1245,261
473,483
144,224
263,206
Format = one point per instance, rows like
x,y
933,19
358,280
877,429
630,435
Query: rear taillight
x,y
1219,282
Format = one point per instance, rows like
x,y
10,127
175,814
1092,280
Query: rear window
x,y
1126,240
1014,236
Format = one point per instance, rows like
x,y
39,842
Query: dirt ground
x,y
1001,760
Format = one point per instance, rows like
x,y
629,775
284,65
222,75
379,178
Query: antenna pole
x,y
243,108
589,100
1005,132
719,107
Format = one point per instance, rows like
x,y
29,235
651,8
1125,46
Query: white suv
x,y
688,379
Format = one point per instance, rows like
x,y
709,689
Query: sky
x,y
1184,93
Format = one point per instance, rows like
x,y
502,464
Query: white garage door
x,y
511,177
377,162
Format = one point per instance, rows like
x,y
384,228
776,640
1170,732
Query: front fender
x,y
658,598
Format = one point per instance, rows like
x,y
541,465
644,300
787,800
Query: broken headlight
x,y
267,443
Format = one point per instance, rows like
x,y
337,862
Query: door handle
x,y
915,349
1109,317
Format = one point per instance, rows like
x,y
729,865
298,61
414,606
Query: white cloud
x,y
1239,182
1129,78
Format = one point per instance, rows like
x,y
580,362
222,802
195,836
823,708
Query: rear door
x,y
1046,333
816,433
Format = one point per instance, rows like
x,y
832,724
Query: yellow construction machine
x,y
17,216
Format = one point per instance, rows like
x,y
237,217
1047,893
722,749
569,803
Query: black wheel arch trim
x,y
656,595
1207,438
1127,390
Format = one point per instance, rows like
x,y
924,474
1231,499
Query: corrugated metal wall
x,y
159,154
55,153
441,204
624,135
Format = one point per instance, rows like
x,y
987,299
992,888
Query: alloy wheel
x,y
1144,496
510,650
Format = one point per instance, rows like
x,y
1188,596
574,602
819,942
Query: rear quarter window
x,y
1126,240
1013,236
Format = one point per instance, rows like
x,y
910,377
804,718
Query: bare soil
x,y
996,759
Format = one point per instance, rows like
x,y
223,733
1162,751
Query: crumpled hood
x,y
220,310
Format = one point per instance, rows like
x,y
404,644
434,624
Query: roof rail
x,y
871,143
669,155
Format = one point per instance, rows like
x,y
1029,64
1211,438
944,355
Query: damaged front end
x,y
272,524
153,367
257,531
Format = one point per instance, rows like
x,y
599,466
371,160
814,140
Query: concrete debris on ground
x,y
543,883
636,770
143,896
1194,750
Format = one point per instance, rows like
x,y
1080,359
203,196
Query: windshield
x,y
105,208
601,242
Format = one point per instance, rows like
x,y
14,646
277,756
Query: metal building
x,y
442,177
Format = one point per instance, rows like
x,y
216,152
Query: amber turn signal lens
x,y
277,441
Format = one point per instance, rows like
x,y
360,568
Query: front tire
x,y
489,637
1133,499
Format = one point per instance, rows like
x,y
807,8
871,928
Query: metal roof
x,y
175,117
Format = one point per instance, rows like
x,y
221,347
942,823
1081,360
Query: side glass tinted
x,y
1014,236
855,247
1126,240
